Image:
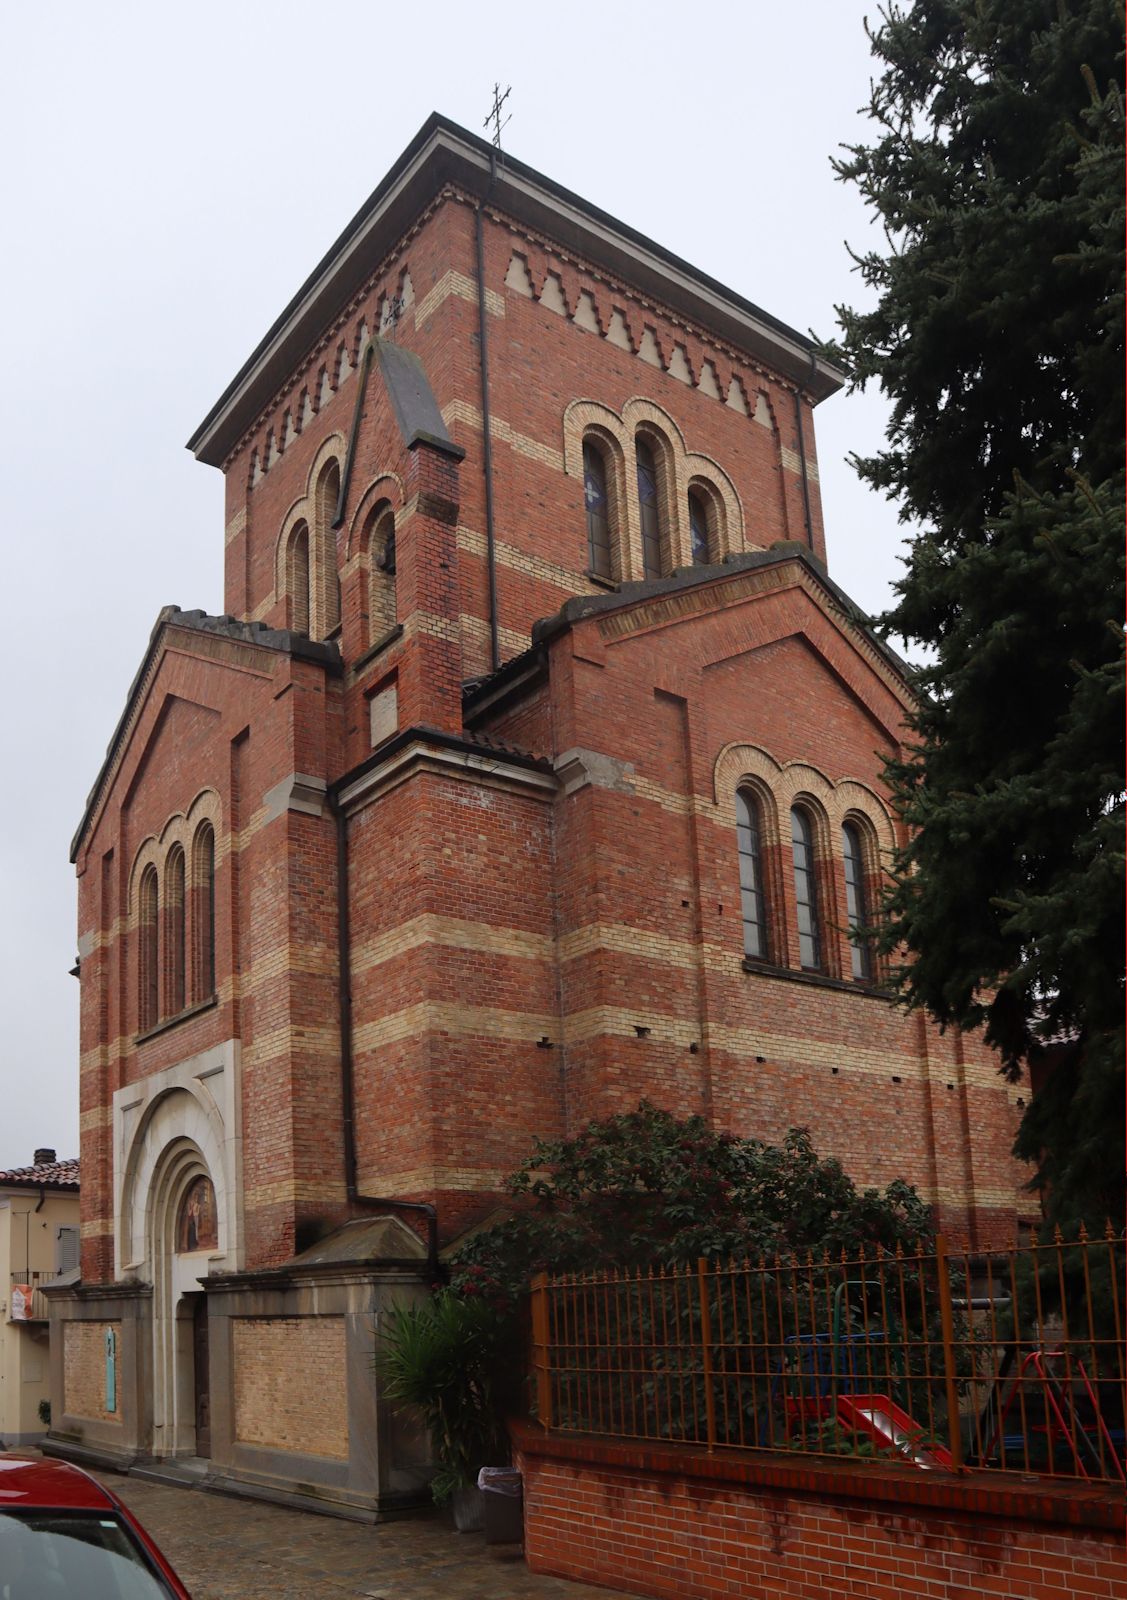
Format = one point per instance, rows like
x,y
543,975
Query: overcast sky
x,y
174,173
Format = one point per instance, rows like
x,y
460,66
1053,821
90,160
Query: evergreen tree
x,y
997,333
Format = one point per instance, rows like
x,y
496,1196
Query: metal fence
x,y
949,1360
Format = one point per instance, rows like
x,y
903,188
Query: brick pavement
x,y
233,1549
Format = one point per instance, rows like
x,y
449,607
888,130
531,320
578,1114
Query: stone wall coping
x,y
87,1292
995,1494
403,1269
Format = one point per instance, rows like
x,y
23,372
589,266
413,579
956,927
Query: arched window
x,y
328,493
174,998
699,533
598,510
856,902
806,891
753,900
203,913
381,572
148,990
297,578
648,508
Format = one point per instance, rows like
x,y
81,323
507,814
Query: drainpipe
x,y
347,1078
802,459
486,431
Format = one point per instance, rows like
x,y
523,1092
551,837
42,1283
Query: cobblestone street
x,y
232,1549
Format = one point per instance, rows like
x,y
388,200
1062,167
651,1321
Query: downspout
x,y
802,458
486,430
347,1076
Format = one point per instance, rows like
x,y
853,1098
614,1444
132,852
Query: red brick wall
x,y
682,1536
523,960
539,362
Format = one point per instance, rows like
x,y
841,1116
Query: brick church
x,y
534,768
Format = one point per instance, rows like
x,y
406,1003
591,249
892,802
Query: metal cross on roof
x,y
494,116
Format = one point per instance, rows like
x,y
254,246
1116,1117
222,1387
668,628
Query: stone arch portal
x,y
178,1219
180,1176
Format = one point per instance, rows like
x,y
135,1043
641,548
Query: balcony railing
x,y
26,1300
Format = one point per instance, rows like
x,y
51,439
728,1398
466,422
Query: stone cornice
x,y
418,750
443,153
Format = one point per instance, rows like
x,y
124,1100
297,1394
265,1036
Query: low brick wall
x,y
682,1525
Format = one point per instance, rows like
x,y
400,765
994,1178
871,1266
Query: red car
x,y
63,1534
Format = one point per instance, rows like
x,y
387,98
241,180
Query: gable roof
x,y
482,695
228,627
42,1175
441,153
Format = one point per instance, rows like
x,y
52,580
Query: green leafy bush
x,y
440,1355
649,1189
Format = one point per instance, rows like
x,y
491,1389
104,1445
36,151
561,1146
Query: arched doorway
x,y
184,1238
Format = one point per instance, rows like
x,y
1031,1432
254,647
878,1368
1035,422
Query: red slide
x,y
883,1420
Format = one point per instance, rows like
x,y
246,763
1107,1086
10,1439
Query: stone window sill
x,y
378,648
603,583
819,980
166,1023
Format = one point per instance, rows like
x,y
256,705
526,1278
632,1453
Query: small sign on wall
x,y
21,1302
111,1370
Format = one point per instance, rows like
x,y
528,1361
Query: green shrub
x,y
440,1356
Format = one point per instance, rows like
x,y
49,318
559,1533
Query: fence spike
x,y
1109,1231
1083,1234
899,1250
1058,1236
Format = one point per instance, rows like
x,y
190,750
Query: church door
x,y
200,1365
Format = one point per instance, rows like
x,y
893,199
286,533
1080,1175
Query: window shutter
x,y
66,1250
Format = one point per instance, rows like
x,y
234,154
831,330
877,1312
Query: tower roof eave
x,y
440,153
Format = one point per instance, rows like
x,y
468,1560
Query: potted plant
x,y
438,1355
